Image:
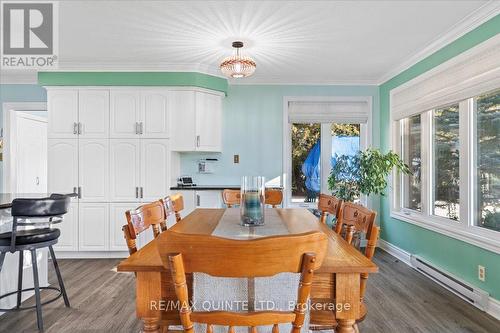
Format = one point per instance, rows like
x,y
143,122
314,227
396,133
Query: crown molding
x,y
467,24
301,82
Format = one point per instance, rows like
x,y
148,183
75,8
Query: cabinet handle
x,y
141,128
75,191
37,180
79,192
136,192
197,141
136,128
80,128
75,128
142,192
198,200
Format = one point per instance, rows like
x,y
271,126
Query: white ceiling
x,y
291,41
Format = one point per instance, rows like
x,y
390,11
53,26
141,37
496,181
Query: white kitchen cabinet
x,y
93,227
62,105
93,113
124,170
208,199
155,166
68,241
62,175
125,113
154,120
117,221
189,198
196,121
93,168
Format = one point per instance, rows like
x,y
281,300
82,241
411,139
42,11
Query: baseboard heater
x,y
475,296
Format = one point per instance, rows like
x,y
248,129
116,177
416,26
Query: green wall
x,y
457,257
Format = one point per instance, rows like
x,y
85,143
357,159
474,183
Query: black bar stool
x,y
38,215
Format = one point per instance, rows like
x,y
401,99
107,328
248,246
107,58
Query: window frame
x,y
465,229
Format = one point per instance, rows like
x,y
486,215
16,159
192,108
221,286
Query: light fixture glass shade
x,y
237,66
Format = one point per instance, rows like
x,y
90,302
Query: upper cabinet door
x,y
124,170
93,113
155,169
93,170
124,113
183,134
155,115
63,113
62,176
208,122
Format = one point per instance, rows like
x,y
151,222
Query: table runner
x,y
277,292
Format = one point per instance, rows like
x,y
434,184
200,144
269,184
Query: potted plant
x,y
364,173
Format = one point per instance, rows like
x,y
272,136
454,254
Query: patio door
x,y
316,133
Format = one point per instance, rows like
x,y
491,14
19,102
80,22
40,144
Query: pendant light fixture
x,y
237,66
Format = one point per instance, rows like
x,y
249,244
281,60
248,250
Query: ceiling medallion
x,y
237,66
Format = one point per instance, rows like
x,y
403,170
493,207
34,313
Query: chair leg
x,y
2,258
39,318
59,277
20,278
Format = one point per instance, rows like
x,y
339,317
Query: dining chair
x,y
274,197
222,257
173,204
141,219
328,204
231,197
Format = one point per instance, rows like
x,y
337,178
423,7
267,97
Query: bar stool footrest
x,y
33,306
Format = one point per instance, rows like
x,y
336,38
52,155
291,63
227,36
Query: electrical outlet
x,y
481,273
236,159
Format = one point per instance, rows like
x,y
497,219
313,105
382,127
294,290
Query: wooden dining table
x,y
335,293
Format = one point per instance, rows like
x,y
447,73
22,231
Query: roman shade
x,y
471,73
342,111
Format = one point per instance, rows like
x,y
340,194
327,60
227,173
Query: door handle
x,y
79,192
75,128
197,141
142,192
136,192
80,128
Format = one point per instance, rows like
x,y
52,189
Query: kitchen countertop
x,y
215,187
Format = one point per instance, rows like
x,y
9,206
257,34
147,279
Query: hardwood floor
x,y
399,300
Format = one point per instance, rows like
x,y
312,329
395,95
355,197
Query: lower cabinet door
x,y
117,217
68,241
209,199
93,226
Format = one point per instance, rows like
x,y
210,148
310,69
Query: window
x,y
412,155
446,150
488,161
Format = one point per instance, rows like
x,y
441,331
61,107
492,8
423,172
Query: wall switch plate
x,y
481,273
236,159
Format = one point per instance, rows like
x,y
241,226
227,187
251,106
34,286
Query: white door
x,y
124,113
117,221
93,227
124,170
62,165
183,124
63,113
30,153
68,241
93,113
155,166
208,122
208,199
155,115
93,171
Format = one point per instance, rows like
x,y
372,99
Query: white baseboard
x,y
493,308
91,255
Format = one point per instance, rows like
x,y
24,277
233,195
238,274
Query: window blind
x,y
469,74
342,112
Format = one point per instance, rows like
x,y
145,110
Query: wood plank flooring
x,y
399,300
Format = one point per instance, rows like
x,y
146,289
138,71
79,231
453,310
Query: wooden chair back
x,y
356,220
142,218
274,197
231,197
328,204
173,204
221,257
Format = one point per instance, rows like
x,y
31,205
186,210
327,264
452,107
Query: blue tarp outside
x,y
311,168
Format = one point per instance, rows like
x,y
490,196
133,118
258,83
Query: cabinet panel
x,y
94,169
155,115
124,169
124,113
63,113
93,226
62,164
155,166
189,197
183,121
93,113
68,241
208,122
208,199
117,221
